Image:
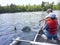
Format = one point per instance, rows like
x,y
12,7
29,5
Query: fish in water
x,y
26,29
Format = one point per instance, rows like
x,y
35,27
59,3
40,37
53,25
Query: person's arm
x,y
46,26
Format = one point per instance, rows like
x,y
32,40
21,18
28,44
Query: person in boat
x,y
50,26
50,13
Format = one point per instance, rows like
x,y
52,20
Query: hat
x,y
52,16
49,10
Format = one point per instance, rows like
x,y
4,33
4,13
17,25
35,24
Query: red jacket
x,y
52,26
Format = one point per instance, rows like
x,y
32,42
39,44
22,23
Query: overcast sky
x,y
25,2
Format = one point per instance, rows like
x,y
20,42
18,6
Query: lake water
x,y
19,20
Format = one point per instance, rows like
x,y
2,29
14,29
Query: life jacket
x,y
52,26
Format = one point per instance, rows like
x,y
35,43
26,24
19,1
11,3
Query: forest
x,y
29,8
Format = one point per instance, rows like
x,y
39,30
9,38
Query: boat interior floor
x,y
40,39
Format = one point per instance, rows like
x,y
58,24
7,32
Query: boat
x,y
38,40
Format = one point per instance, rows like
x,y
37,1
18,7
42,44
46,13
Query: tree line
x,y
28,8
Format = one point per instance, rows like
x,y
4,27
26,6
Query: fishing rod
x,y
38,25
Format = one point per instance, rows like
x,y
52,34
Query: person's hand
x,y
42,20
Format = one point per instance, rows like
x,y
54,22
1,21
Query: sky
x,y
25,2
